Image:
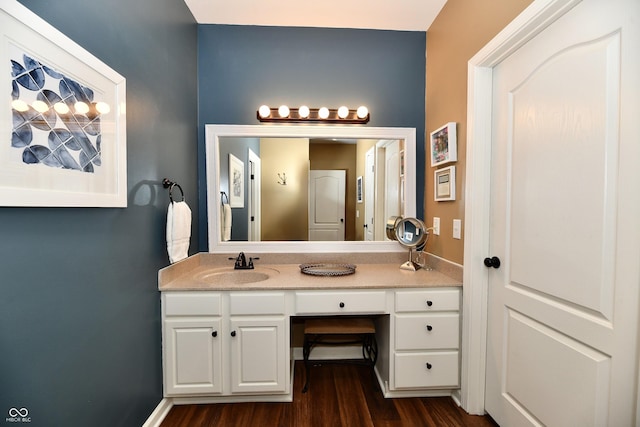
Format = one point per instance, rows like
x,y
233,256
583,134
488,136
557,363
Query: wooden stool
x,y
337,331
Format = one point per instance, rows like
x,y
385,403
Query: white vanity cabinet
x,y
192,350
228,345
225,343
427,339
259,345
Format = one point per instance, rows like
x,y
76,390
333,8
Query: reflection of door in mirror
x,y
369,187
326,205
254,196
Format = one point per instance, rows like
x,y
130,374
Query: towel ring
x,y
168,184
224,196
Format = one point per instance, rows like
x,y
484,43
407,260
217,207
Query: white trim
x,y
212,136
536,17
158,415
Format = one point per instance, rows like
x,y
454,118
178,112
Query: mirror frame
x,y
213,133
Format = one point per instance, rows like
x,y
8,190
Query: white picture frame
x,y
50,156
359,194
236,182
444,184
443,145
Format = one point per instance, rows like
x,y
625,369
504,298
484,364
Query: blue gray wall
x,y
79,308
243,67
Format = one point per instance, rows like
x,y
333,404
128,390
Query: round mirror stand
x,y
410,233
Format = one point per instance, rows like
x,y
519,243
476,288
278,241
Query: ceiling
x,y
400,15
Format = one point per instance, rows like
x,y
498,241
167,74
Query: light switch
x,y
457,229
436,225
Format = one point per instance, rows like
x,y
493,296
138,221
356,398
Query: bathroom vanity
x,y
228,336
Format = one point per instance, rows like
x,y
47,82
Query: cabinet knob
x,y
429,365
429,303
341,305
233,333
214,334
429,327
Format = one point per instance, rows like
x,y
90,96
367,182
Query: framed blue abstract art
x,y
63,127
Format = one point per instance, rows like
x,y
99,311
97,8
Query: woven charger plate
x,y
328,269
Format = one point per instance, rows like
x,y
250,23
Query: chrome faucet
x,y
241,262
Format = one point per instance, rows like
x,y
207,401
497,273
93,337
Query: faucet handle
x,y
250,265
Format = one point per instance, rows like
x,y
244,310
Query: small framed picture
x,y
444,184
359,189
236,182
443,145
401,162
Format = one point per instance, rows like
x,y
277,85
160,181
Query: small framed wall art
x,y
359,189
443,145
444,181
236,182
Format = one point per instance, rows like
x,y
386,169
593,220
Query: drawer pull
x,y
214,334
429,303
233,333
429,365
429,327
341,305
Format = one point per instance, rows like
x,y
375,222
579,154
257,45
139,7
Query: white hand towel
x,y
226,222
178,231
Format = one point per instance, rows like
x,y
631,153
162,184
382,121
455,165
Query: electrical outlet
x,y
457,229
436,225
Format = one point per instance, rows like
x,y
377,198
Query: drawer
x,y
428,331
341,302
430,369
426,301
256,303
192,304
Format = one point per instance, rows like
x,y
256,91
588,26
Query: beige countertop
x,y
191,274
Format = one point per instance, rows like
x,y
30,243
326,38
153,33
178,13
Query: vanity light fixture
x,y
306,114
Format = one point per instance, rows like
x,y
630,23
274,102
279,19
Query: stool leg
x,y
306,349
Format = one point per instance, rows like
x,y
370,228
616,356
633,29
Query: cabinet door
x,y
259,355
192,356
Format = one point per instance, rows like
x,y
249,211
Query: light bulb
x,y
323,113
343,112
303,112
81,107
362,112
40,106
264,111
19,105
103,107
61,107
283,111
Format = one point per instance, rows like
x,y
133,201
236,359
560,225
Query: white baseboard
x,y
161,411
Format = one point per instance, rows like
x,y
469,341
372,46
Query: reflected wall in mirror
x,y
301,189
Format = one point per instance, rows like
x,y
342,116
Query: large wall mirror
x,y
299,188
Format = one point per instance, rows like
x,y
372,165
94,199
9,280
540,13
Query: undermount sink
x,y
229,276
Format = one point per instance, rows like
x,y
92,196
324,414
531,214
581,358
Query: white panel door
x,y
562,307
369,194
326,205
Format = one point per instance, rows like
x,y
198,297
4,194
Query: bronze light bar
x,y
304,114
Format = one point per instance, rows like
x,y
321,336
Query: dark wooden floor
x,y
339,395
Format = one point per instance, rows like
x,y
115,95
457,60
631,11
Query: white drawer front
x,y
340,302
422,370
428,331
192,303
426,301
256,303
